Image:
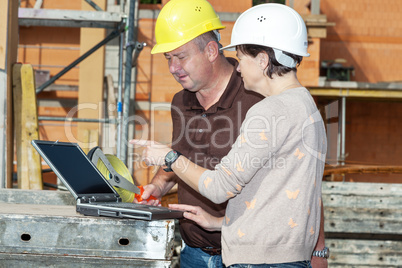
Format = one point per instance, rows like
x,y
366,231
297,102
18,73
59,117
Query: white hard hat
x,y
272,25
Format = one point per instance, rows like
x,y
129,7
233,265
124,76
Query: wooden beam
x,y
91,81
26,127
8,55
349,169
362,208
347,252
364,39
317,25
356,92
362,223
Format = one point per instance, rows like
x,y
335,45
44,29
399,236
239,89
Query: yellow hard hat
x,y
180,21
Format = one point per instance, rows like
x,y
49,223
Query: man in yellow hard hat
x,y
206,114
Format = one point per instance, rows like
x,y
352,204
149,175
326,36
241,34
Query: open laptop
x,y
94,195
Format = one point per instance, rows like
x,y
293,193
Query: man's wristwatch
x,y
170,158
321,253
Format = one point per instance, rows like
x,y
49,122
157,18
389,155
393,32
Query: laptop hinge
x,y
98,198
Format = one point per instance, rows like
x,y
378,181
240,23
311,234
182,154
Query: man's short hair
x,y
202,40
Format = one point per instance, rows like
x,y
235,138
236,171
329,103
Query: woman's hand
x,y
199,216
154,152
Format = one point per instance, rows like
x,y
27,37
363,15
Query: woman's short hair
x,y
274,66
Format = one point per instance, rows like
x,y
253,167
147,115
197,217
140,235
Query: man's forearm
x,y
321,237
164,180
318,262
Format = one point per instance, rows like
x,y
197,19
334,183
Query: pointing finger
x,y
140,142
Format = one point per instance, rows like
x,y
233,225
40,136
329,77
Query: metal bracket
x,y
115,178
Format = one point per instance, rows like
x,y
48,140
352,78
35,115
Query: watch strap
x,y
169,162
321,253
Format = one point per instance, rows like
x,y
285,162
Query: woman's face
x,y
252,71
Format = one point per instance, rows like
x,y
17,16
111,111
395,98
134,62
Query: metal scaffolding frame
x,y
124,28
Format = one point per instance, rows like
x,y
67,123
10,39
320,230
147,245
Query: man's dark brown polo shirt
x,y
205,136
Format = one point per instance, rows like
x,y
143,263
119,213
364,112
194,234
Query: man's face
x,y
189,66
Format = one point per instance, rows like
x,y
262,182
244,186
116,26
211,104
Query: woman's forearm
x,y
155,153
188,172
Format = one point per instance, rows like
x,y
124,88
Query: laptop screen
x,y
75,168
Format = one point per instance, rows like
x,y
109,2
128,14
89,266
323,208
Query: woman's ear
x,y
212,50
263,60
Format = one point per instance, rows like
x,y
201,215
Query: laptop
x,y
94,195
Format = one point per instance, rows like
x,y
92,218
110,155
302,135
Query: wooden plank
x,y
23,180
383,39
8,56
90,139
361,201
316,32
91,79
30,128
357,93
348,169
363,220
26,128
362,195
315,18
3,32
368,189
363,208
364,253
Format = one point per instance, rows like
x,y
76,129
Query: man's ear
x,y
263,60
212,50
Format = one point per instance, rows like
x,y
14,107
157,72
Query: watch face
x,y
326,252
170,156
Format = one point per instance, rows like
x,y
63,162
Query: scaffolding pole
x,y
130,37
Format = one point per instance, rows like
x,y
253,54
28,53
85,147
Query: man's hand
x,y
154,190
317,262
154,152
199,216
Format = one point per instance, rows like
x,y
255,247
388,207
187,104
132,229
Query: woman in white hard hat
x,y
272,175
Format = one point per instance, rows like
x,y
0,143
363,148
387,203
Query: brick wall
x,y
373,137
368,34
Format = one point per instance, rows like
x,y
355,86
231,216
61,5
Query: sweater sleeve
x,y
262,134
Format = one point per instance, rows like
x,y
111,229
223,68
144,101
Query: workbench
x,y
42,229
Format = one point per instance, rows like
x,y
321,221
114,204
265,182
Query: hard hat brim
x,y
232,47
